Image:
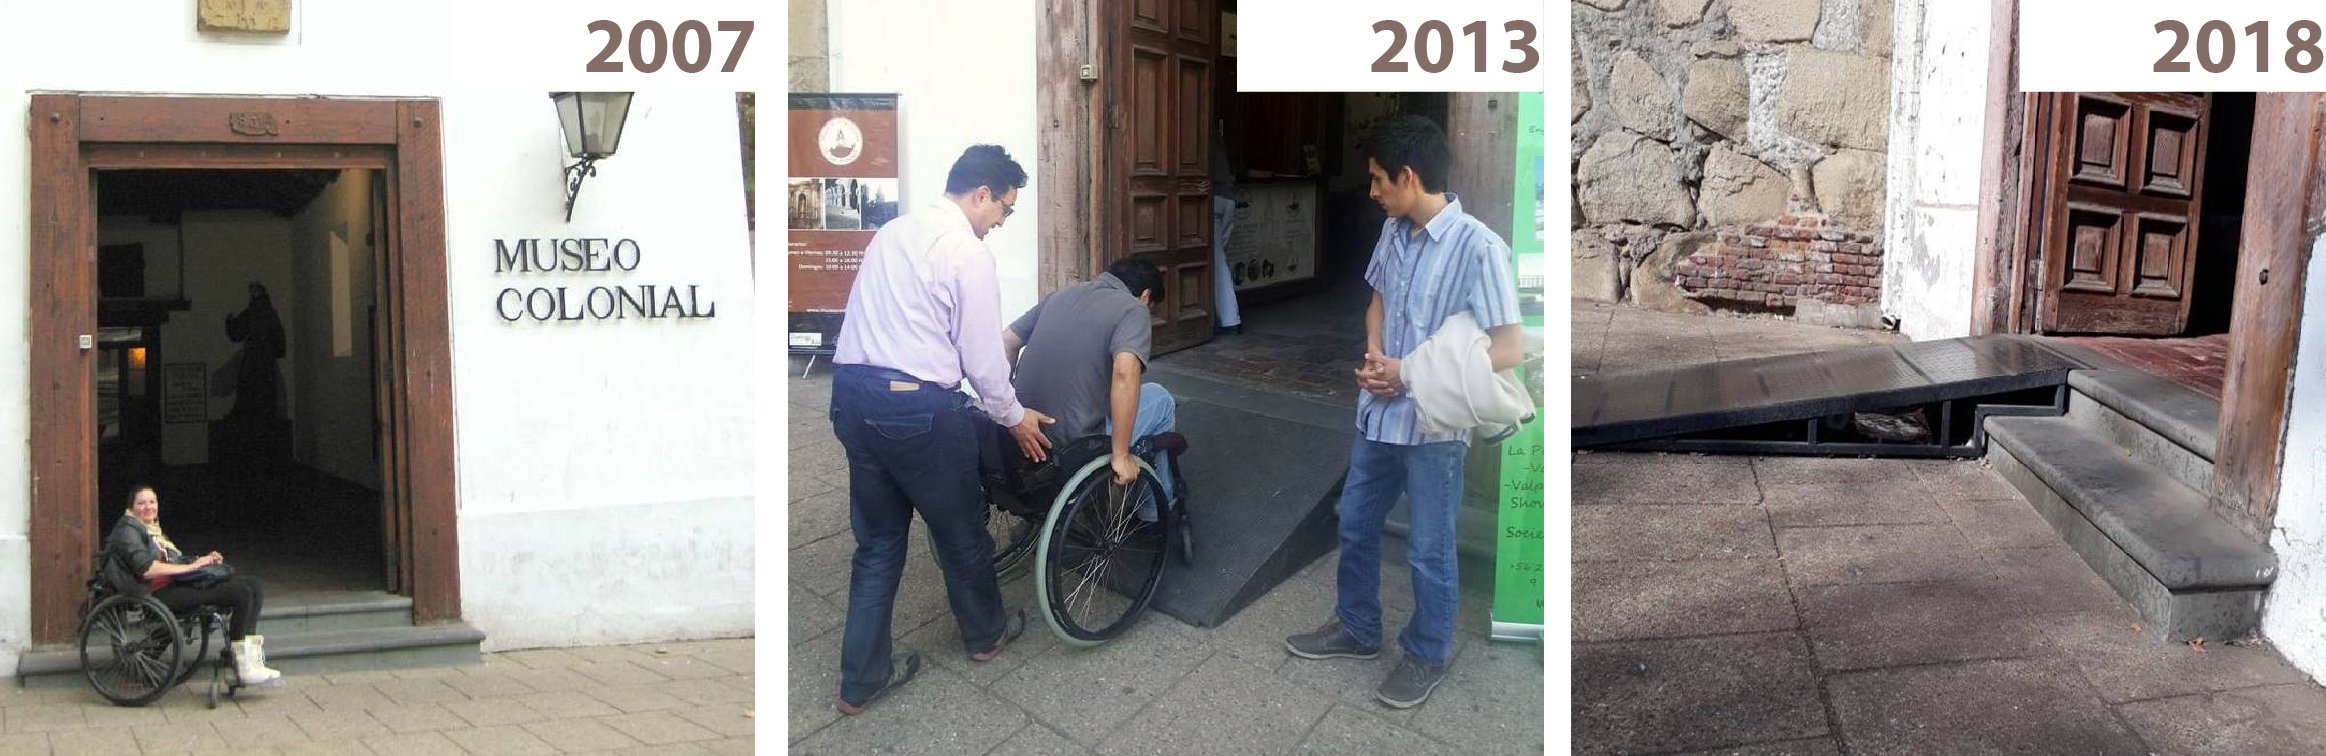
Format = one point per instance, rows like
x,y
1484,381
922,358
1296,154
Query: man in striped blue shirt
x,y
1432,262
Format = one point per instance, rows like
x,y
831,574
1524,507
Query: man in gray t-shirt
x,y
1079,356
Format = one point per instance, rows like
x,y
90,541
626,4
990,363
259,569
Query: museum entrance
x,y
242,302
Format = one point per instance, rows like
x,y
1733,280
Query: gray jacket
x,y
128,551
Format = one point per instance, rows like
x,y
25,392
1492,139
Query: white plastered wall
x,y
2294,620
964,73
1937,121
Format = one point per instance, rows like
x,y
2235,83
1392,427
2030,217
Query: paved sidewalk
x,y
665,698
1164,688
1824,606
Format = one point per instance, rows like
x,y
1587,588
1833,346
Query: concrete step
x,y
2151,537
2156,421
337,610
305,653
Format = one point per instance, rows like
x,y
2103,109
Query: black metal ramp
x,y
1263,472
1802,404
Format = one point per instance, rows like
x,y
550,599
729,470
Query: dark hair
x,y
1411,141
988,166
142,489
1137,275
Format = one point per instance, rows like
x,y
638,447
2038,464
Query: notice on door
x,y
185,393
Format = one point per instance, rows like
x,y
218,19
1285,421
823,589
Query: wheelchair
x,y
134,649
1096,564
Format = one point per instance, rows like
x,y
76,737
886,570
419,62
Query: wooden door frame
x,y
2281,199
1072,170
72,135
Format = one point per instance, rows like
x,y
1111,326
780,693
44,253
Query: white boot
x,y
250,664
259,643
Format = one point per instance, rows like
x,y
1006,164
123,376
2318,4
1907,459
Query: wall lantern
x,y
592,122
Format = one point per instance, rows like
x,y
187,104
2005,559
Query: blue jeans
x,y
1430,476
909,451
1158,413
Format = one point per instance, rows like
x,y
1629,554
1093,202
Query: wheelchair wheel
x,y
1098,564
131,650
1013,539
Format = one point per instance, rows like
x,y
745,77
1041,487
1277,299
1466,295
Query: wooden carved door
x,y
2119,247
1156,190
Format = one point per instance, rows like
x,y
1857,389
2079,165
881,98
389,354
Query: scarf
x,y
170,550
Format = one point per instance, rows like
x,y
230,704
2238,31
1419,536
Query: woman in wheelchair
x,y
184,584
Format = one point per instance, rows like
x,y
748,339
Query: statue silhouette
x,y
257,382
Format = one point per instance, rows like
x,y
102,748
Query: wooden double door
x,y
1158,63
2120,179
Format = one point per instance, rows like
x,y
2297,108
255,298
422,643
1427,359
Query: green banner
x,y
1526,223
1518,539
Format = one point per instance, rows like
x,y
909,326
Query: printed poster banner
x,y
1518,537
843,187
1518,552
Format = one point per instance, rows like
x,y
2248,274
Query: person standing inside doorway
x,y
1432,262
923,318
1223,221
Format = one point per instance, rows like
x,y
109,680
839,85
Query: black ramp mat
x,y
1264,472
1621,407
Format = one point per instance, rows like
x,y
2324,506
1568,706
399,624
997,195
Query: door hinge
x,y
1089,72
1114,116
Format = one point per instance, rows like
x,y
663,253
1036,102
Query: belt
x,y
898,380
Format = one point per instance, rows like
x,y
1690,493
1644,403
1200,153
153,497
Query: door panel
x,y
1158,197
2121,248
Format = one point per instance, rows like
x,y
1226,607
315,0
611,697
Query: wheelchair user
x,y
183,584
1079,355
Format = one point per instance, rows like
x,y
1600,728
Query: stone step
x,y
336,610
309,652
2152,538
2156,421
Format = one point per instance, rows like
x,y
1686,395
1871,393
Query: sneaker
x,y
1410,683
1010,632
1329,642
908,665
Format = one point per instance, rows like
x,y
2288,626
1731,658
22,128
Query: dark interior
x,y
296,527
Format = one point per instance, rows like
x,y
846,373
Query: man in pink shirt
x,y
924,318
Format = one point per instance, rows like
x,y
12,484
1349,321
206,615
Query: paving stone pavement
x,y
662,698
1165,687
1790,605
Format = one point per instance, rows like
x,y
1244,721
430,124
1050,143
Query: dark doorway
x,y
236,370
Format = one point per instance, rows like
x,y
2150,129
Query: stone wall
x,y
1700,120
